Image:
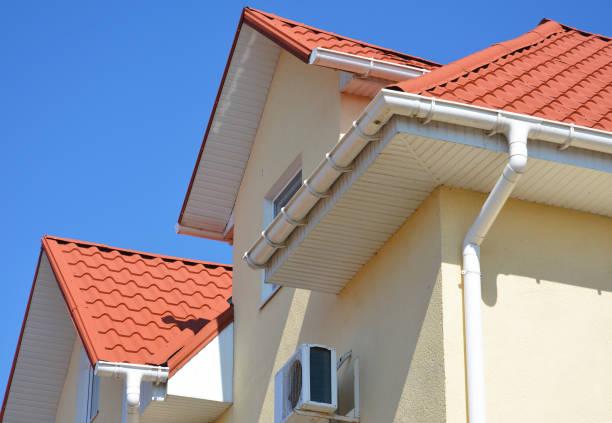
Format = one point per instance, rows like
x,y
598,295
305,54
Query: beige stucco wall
x,y
111,394
389,315
547,311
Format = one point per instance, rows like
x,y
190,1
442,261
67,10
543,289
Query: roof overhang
x,y
43,352
207,210
391,177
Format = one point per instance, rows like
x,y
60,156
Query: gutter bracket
x,y
498,125
570,138
335,165
364,135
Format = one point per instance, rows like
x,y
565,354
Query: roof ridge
x,y
312,28
480,58
582,32
140,253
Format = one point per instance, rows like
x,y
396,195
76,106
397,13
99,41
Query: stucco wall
x,y
111,394
547,311
389,315
66,408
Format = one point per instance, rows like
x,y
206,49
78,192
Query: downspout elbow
x,y
132,391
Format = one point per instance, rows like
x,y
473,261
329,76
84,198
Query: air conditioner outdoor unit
x,y
308,382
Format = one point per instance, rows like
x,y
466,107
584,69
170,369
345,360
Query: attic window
x,y
277,197
289,191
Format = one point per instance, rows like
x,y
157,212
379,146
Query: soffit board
x,y
392,177
43,353
227,147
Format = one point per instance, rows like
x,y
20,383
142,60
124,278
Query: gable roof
x,y
134,307
225,149
300,40
554,71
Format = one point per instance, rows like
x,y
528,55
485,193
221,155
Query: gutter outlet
x,y
134,375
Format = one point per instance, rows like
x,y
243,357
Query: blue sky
x,y
103,106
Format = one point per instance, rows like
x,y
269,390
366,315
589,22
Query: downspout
x,y
134,375
516,133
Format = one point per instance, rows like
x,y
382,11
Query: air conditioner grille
x,y
320,376
295,383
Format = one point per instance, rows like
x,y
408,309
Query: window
x,y
278,196
88,392
285,195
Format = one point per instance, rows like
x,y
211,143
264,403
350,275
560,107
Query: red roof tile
x,y
140,308
554,72
301,39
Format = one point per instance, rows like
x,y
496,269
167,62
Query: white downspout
x,y
517,133
134,375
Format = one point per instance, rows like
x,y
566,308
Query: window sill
x,y
269,297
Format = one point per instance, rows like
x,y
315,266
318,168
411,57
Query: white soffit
x,y
184,410
392,177
201,390
228,144
44,353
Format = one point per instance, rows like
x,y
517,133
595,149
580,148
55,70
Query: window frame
x,y
278,188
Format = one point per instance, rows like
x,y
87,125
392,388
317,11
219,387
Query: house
x,y
445,228
448,226
116,335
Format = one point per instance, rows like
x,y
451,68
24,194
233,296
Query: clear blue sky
x,y
103,106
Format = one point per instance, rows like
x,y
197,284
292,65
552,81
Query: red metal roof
x,y
134,307
301,39
554,71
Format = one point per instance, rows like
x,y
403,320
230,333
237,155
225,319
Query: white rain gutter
x,y
134,375
517,128
364,66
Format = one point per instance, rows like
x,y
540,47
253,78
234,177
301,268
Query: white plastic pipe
x,y
517,133
134,375
364,66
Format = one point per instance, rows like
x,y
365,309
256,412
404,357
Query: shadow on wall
x,y
547,244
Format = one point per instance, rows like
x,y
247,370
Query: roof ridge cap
x,y
375,46
571,28
480,58
140,253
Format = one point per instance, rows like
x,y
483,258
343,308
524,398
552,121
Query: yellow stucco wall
x,y
547,311
389,315
66,408
110,400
